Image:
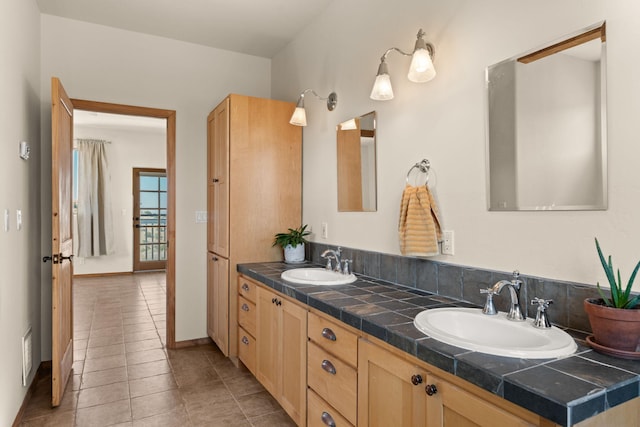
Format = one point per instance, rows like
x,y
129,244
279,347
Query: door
x,y
61,241
390,389
218,301
149,219
219,191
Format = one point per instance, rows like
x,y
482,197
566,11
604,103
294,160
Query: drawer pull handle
x,y
245,340
416,379
327,419
329,334
431,389
328,366
245,287
245,307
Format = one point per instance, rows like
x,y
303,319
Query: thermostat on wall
x,y
25,150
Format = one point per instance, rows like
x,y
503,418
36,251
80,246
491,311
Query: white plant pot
x,y
294,254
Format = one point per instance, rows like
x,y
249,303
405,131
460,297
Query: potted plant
x,y
293,243
615,321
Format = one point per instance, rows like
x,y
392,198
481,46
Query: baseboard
x,y
193,343
43,370
120,273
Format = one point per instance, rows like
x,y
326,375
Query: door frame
x,y
170,116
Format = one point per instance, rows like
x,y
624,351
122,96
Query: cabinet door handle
x,y
431,389
245,287
214,258
327,419
216,180
329,334
245,307
273,300
245,340
416,379
328,366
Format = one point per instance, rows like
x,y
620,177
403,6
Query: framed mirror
x,y
546,127
356,152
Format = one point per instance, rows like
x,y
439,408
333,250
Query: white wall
x,y
128,149
19,250
105,64
443,121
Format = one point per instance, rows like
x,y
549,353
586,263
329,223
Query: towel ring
x,y
423,167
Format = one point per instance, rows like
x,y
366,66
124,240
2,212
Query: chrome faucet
x,y
514,285
330,254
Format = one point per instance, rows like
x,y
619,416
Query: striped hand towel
x,y
419,227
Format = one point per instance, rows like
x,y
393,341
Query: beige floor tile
x,y
140,336
103,363
104,377
103,341
155,404
223,414
54,419
243,385
104,415
145,356
257,404
211,393
150,385
105,332
105,351
276,419
148,369
103,394
176,418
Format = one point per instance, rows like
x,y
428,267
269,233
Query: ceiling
x,y
253,27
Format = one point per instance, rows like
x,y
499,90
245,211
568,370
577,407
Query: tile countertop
x,y
565,390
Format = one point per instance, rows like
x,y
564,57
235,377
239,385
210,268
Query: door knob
x,y
431,389
416,379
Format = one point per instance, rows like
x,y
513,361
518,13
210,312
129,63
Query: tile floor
x,y
123,375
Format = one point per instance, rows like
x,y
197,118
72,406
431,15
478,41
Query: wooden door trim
x,y
170,116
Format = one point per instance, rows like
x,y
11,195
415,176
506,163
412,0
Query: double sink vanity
x,y
338,349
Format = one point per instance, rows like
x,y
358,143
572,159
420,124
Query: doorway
x,y
149,219
170,188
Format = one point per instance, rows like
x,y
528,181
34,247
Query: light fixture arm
x,y
332,99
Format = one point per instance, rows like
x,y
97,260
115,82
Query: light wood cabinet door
x,y
218,177
218,301
387,395
281,335
451,406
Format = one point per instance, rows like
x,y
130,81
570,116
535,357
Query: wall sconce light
x,y
299,117
420,71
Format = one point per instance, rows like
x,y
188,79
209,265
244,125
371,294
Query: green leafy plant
x,y
619,298
294,237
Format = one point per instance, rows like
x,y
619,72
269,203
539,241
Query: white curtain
x,y
95,223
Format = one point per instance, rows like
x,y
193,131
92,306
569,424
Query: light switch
x,y
201,217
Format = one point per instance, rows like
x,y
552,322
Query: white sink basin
x,y
470,329
317,276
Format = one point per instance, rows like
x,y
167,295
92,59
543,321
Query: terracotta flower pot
x,y
614,328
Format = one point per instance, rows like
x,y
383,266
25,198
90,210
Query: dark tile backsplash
x,y
464,283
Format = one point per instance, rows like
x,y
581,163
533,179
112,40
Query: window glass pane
x,y
149,217
163,217
163,200
163,183
149,183
148,200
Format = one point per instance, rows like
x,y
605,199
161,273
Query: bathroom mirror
x,y
546,127
356,148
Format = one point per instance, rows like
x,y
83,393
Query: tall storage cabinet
x,y
254,190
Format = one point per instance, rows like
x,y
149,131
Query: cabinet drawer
x,y
247,350
334,338
247,315
247,288
333,380
321,414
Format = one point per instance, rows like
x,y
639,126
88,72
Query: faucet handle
x,y
345,266
515,280
542,319
489,308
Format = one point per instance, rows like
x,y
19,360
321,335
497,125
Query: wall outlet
x,y
447,242
201,217
325,230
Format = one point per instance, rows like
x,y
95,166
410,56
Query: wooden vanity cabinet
x,y
254,190
247,318
281,351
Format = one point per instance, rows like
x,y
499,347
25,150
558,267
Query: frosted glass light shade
x,y
382,90
421,69
299,117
